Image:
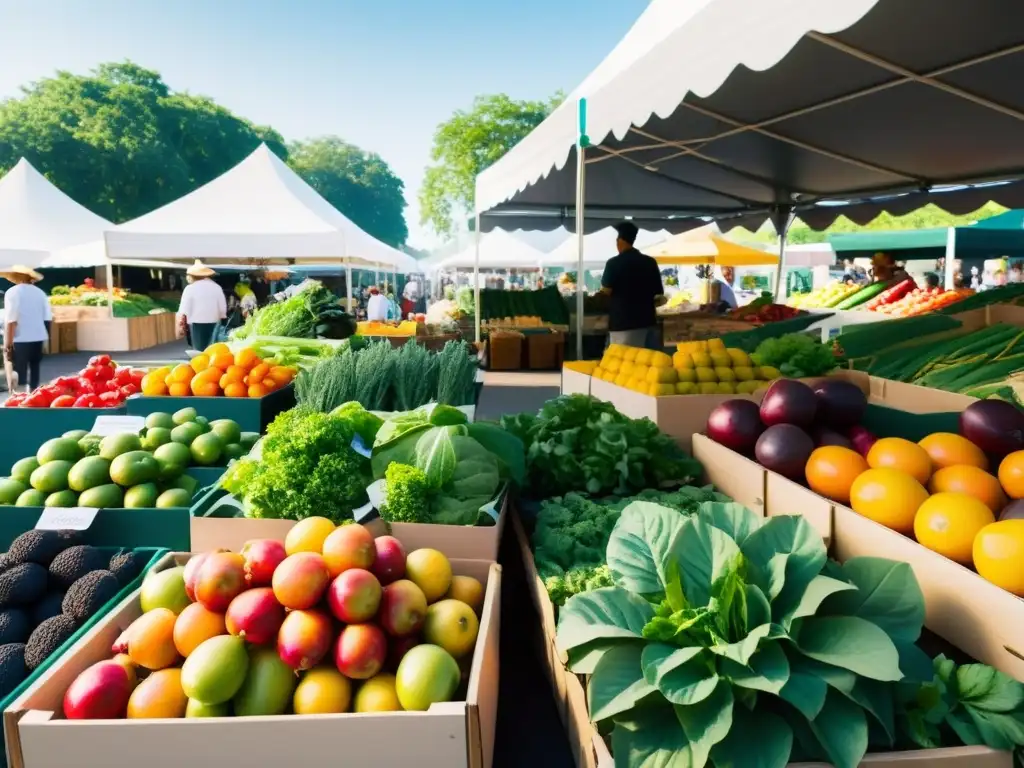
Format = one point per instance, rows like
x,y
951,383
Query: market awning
x,y
498,250
598,247
707,246
741,110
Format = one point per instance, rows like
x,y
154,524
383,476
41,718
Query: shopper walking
x,y
27,318
202,307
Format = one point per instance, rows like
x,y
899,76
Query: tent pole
x,y
476,276
110,287
949,270
786,218
348,287
581,196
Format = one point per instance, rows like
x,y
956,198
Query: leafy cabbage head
x,y
728,640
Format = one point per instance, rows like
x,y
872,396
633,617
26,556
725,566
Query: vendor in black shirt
x,y
634,282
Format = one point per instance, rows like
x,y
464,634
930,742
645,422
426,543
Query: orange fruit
x,y
947,449
258,390
205,388
897,453
236,389
259,372
270,384
247,359
153,386
210,374
1011,475
972,481
222,360
182,372
235,373
948,522
282,375
998,554
831,470
888,497
200,363
220,348
179,389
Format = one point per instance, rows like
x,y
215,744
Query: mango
x,y
158,696
164,589
452,625
268,685
198,709
300,580
255,615
151,639
427,675
195,625
468,590
429,570
323,691
377,695
304,638
308,535
215,670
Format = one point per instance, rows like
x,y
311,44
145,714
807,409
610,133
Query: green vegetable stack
x,y
795,355
728,640
312,312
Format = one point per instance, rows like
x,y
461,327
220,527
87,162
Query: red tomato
x,y
36,400
86,386
15,401
85,401
99,360
108,399
129,389
64,401
105,373
123,376
89,374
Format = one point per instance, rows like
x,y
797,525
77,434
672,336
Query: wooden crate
x,y
692,326
545,351
63,337
126,334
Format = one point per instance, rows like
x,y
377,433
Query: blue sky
x,y
379,73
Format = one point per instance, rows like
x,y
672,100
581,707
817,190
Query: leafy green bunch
x,y
796,355
580,443
731,641
312,312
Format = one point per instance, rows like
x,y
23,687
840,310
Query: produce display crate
x,y
149,557
575,383
251,414
545,350
505,351
63,337
23,430
219,522
692,326
125,334
451,735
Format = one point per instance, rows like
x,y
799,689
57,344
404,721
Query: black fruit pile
x,y
50,585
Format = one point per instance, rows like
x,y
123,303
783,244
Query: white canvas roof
x,y
36,218
260,210
598,247
498,250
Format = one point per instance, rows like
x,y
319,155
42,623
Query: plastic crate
x,y
251,414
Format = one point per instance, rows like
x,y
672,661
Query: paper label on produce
x,y
66,518
365,513
360,447
377,491
479,376
117,425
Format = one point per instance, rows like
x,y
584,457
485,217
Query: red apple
x,y
360,651
348,546
221,579
255,615
389,564
262,556
354,596
100,692
403,608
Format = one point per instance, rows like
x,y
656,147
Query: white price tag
x,y
377,491
116,425
66,518
363,513
491,509
479,376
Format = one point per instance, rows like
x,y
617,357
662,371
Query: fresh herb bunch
x,y
796,355
329,383
456,375
306,467
580,443
729,640
415,376
374,366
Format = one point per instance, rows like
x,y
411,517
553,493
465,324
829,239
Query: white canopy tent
x,y
497,250
37,219
598,247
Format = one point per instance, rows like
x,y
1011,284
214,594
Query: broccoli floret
x,y
561,588
408,495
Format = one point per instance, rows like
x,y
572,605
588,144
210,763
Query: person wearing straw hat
x,y
202,307
27,318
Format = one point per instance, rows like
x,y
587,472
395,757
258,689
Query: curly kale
x,y
561,588
408,495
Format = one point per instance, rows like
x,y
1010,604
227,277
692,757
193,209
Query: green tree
x,y
466,144
359,184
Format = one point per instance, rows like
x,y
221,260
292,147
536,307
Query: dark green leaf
x,y
583,658
806,692
851,643
609,613
707,722
651,737
842,730
735,519
759,611
504,445
877,699
998,730
914,663
820,588
887,595
759,739
705,554
964,727
767,670
617,683
742,651
784,552
988,689
682,675
641,545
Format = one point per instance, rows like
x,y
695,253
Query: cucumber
x,y
866,293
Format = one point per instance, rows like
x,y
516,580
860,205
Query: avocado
x,y
249,439
47,638
73,563
134,468
203,422
207,449
59,449
233,451
184,416
174,497
15,626
75,434
51,476
22,585
173,458
10,490
107,496
23,469
186,433
125,566
160,420
155,437
88,473
40,546
49,606
113,446
61,499
227,430
90,593
31,498
12,667
186,483
141,496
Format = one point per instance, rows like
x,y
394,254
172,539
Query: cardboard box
x,y
467,542
449,735
575,383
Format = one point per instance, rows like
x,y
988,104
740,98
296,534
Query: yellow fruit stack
x,y
697,368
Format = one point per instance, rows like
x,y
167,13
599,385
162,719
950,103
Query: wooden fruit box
x,y
126,334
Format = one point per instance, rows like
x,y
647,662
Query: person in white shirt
x,y
27,318
202,307
377,306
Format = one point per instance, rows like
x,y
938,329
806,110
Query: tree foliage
x,y
466,144
122,143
